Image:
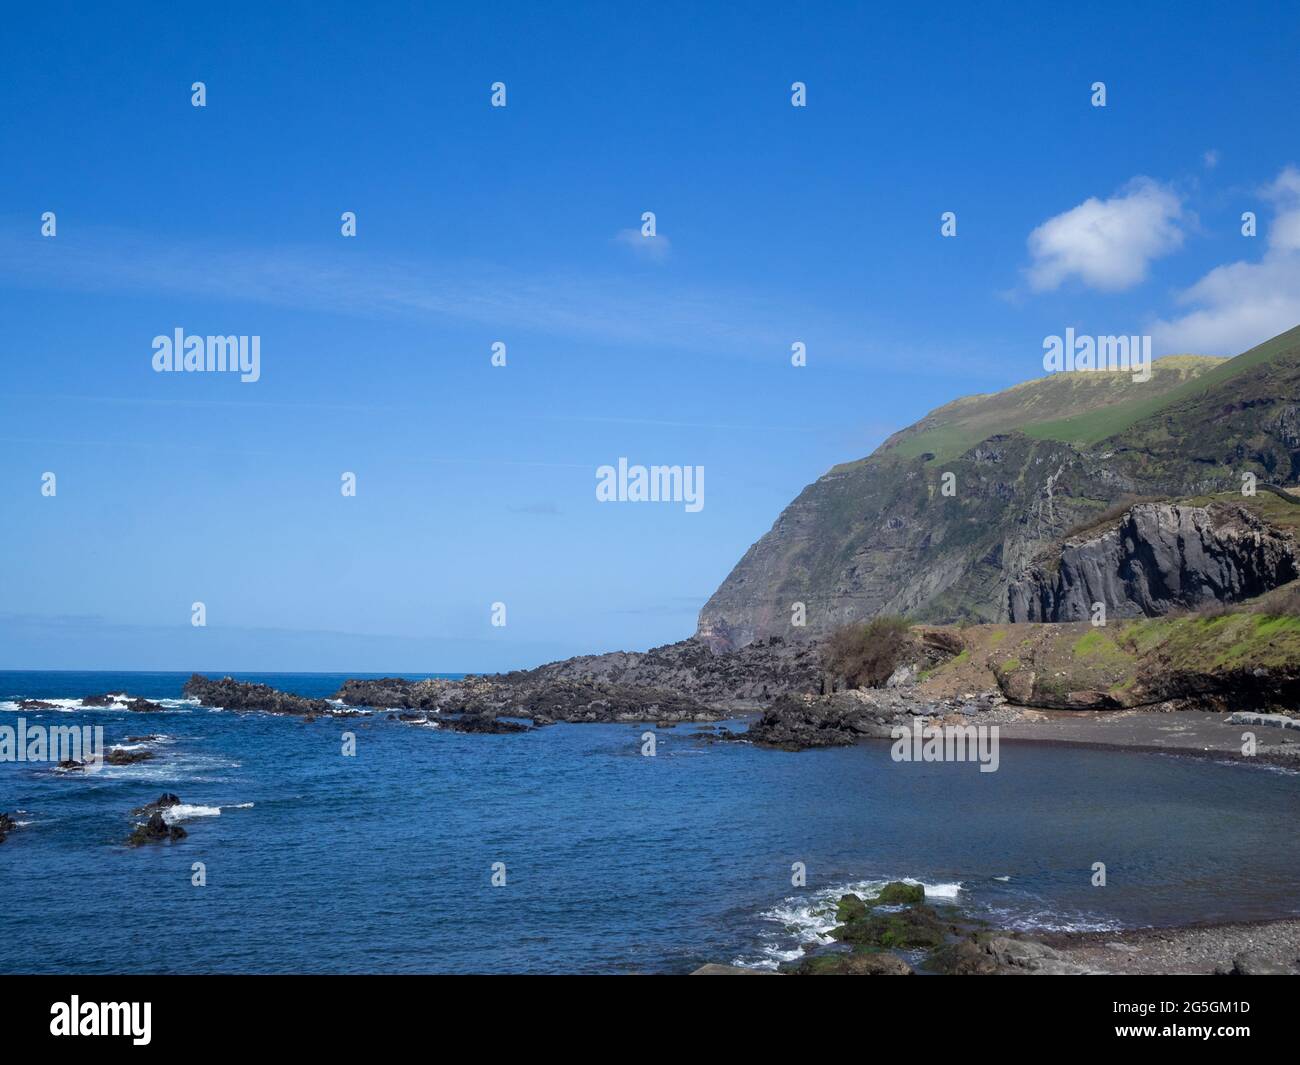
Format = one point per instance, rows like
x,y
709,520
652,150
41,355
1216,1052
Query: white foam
x,y
184,811
116,702
806,920
1050,921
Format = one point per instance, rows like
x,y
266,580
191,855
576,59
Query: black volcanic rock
x,y
165,801
240,695
7,825
107,699
155,830
671,684
120,699
484,723
117,756
1155,558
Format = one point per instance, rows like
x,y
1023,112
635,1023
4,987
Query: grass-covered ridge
x,y
955,428
1079,408
1093,426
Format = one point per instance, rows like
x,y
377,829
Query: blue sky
x,y
521,224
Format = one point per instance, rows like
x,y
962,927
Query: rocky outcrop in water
x,y
240,695
678,682
117,756
165,801
155,830
122,701
1157,558
7,825
743,679
525,695
798,723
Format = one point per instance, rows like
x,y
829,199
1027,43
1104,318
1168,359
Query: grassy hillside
x,y
958,426
892,534
1093,426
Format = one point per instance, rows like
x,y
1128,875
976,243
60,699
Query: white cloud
x,y
1241,304
1107,244
1211,159
655,249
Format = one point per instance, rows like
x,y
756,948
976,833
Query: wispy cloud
x,y
1240,304
608,308
1107,244
654,249
545,508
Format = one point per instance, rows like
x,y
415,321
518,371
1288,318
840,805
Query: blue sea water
x,y
615,862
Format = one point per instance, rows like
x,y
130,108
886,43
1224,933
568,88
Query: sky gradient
x,y
475,224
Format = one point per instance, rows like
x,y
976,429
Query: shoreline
x,y
1262,947
1190,733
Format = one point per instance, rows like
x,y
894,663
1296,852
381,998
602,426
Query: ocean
x,y
613,862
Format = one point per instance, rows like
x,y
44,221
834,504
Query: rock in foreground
x,y
155,830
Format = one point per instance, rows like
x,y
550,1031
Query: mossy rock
x,y
896,893
850,908
916,927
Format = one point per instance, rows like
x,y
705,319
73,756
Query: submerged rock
x,y
155,830
484,723
7,825
117,756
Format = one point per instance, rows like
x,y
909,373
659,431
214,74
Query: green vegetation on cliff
x,y
946,516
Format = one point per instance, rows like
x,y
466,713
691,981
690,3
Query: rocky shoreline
x,y
939,683
673,684
898,932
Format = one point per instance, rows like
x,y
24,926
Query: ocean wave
x,y
118,703
1044,920
184,812
806,920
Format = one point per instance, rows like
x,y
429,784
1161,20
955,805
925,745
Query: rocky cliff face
x,y
947,515
1157,558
